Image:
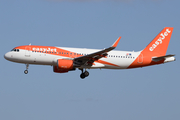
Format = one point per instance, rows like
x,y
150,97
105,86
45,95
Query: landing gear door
x,y
27,52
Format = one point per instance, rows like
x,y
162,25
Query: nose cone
x,y
7,56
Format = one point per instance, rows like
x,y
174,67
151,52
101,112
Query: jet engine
x,y
63,66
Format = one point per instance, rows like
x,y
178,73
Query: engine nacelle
x,y
63,66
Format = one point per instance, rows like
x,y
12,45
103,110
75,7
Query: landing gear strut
x,y
84,74
26,71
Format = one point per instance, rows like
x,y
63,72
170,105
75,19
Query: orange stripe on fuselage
x,y
146,61
49,50
107,63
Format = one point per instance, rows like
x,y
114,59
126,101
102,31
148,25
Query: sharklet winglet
x,y
116,42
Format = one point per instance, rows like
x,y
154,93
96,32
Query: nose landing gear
x,y
26,71
84,74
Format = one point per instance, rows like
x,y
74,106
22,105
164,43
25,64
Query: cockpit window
x,y
15,50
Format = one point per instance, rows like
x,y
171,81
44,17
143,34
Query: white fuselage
x,y
119,59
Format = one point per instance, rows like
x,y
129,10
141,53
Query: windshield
x,y
16,50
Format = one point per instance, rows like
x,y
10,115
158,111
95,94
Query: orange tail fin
x,y
159,44
155,52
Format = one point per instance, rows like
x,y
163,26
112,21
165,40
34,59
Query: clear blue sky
x,y
150,93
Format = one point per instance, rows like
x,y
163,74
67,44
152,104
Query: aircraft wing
x,y
89,59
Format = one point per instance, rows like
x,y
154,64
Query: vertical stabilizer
x,y
155,52
159,44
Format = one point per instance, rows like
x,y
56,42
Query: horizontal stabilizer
x,y
156,59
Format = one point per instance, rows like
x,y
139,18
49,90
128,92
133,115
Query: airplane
x,y
65,59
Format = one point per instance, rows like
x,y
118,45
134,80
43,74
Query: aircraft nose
x,y
7,56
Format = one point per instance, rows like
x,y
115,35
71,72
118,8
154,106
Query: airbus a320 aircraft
x,y
64,59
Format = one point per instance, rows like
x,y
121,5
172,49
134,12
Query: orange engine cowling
x,y
63,66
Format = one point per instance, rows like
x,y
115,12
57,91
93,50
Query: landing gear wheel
x,y
86,73
82,75
26,71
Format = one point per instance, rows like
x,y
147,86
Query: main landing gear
x,y
26,71
84,74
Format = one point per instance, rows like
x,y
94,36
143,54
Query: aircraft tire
x,y
82,76
26,71
86,73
